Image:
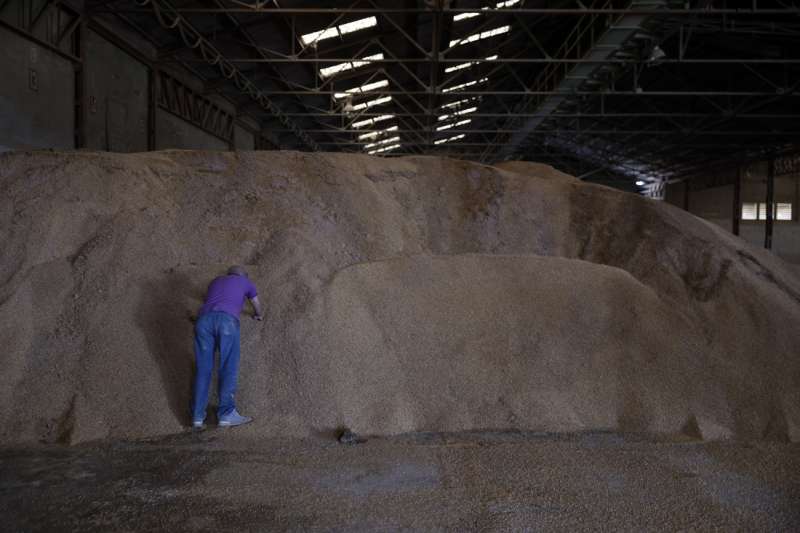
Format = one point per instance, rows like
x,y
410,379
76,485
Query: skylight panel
x,y
374,134
385,149
464,16
327,72
363,89
382,142
371,103
461,66
360,24
448,139
458,103
464,85
453,124
482,35
336,31
371,121
457,113
469,15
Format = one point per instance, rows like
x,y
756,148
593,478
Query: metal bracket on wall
x,y
191,106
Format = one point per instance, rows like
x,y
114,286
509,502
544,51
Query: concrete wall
x,y
243,139
39,117
116,88
172,132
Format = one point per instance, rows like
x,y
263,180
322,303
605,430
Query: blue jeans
x,y
215,330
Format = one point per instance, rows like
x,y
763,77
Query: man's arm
x,y
257,306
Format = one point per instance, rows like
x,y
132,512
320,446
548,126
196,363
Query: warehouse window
x,y
783,211
749,211
758,211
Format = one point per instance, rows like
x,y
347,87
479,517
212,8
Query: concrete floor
x,y
481,481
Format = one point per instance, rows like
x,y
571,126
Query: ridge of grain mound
x,y
404,294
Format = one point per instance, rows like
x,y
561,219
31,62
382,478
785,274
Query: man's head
x,y
237,270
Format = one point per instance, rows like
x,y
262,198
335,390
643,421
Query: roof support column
x,y
770,204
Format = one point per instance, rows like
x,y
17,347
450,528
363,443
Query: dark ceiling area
x,y
612,91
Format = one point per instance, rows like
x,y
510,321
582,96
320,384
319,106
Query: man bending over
x,y
217,327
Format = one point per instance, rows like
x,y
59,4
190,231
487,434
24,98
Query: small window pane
x,y
784,212
762,211
748,211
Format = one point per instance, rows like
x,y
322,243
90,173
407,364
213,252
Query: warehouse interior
x,y
525,264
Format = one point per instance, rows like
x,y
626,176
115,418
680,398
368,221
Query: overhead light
x,y
371,121
337,31
448,139
370,103
374,134
656,54
382,142
482,35
385,149
327,72
640,183
454,124
464,85
461,66
363,89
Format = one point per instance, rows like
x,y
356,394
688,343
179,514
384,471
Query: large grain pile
x,y
402,295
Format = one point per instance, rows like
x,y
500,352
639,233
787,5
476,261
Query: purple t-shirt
x,y
227,294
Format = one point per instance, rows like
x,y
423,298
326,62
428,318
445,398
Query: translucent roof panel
x,y
375,134
453,124
482,35
382,142
371,121
385,149
464,85
457,113
449,139
461,66
337,31
371,103
363,89
471,14
327,72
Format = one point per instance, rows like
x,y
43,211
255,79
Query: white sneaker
x,y
234,419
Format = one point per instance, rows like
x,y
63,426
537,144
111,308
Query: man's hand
x,y
258,317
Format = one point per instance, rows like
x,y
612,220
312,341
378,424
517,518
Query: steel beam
x,y
579,11
770,203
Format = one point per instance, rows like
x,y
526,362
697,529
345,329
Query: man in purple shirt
x,y
218,327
